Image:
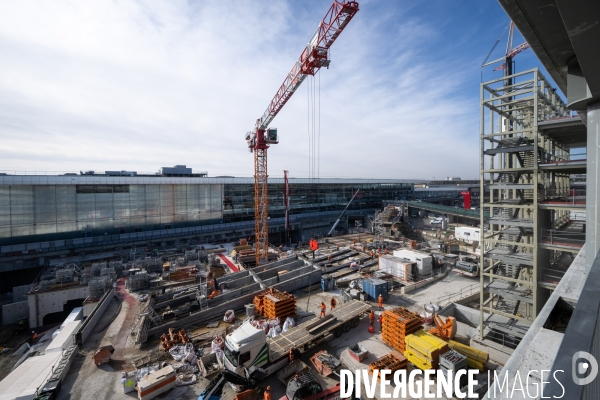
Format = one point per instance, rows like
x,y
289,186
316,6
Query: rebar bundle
x,y
117,266
64,275
98,286
109,272
138,281
191,255
97,268
154,265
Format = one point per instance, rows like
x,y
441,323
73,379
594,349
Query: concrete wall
x,y
60,370
239,282
90,323
274,271
297,280
232,294
44,303
463,314
307,279
277,279
13,312
20,293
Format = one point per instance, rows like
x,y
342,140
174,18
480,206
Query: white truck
x,y
250,356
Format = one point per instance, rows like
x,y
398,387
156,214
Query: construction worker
x,y
380,320
329,257
333,303
372,317
380,302
354,242
291,355
267,394
323,309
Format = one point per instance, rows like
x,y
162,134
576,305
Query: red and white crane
x,y
314,56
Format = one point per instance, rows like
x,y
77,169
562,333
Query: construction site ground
x,y
86,380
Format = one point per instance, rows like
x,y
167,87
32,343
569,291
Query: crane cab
x,y
271,136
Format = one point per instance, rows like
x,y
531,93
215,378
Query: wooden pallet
x,y
392,362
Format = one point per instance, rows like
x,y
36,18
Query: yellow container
x,y
425,343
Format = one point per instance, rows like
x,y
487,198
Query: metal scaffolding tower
x,y
514,150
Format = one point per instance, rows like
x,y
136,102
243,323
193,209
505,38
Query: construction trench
x,y
287,275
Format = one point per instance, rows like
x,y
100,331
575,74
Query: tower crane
x,y
314,56
507,59
508,66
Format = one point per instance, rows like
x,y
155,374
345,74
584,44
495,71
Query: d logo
x,y
584,363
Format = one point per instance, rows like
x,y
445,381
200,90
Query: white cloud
x,y
123,85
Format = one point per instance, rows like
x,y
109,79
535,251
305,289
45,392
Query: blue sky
x,y
133,86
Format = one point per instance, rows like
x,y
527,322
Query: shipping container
x,y
374,287
467,234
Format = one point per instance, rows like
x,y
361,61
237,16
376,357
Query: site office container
x,y
374,287
423,260
398,267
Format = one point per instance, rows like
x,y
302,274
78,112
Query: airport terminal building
x,y
50,215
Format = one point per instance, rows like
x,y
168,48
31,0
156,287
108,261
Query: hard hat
x,y
268,387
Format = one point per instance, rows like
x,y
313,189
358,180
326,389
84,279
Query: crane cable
x,y
314,127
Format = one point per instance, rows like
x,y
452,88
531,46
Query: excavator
x,y
443,330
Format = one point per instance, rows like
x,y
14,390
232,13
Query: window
x,y
244,357
232,356
121,230
137,229
168,226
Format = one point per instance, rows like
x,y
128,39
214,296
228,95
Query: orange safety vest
x,y
372,317
380,301
267,395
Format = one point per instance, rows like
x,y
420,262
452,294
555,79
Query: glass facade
x,y
238,199
68,211
34,209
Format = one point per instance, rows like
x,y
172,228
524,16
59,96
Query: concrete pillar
x,y
592,244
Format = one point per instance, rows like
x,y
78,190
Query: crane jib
x,y
336,19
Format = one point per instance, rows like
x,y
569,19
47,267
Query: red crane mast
x,y
314,56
